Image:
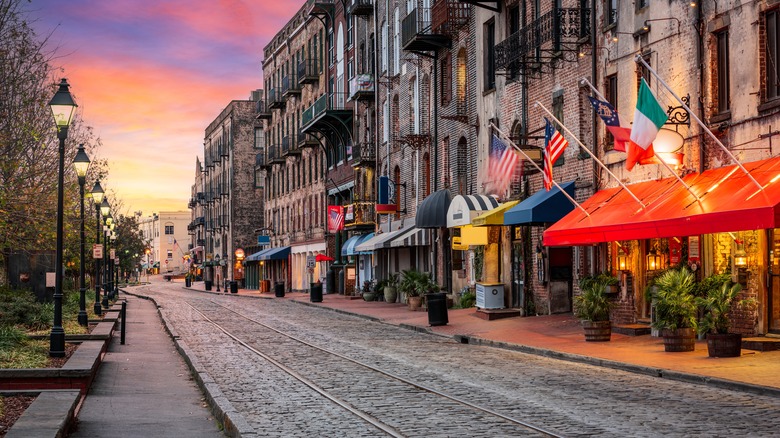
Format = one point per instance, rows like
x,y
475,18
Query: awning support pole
x,y
687,187
511,143
591,154
639,60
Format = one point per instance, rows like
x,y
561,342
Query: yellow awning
x,y
472,236
494,216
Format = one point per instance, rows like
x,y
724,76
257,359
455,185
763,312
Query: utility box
x,y
490,295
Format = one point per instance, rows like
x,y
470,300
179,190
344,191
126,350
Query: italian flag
x,y
648,120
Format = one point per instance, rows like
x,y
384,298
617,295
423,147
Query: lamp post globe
x,y
81,164
97,198
62,108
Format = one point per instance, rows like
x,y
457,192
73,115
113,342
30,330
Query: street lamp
x,y
216,262
97,198
81,163
105,210
62,108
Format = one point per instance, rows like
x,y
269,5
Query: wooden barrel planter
x,y
724,345
683,339
597,331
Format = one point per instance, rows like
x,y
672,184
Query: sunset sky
x,y
150,76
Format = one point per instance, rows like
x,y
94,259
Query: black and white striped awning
x,y
414,237
464,208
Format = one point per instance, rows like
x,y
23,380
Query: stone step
x,y
493,314
761,343
631,329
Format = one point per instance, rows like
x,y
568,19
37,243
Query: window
x,y
513,16
259,139
489,55
612,98
383,54
168,229
170,254
722,70
446,88
397,43
771,69
611,12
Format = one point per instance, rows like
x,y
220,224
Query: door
x,y
560,279
518,272
773,302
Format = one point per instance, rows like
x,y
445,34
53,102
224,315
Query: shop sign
x,y
693,249
675,249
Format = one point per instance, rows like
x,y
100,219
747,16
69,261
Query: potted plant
x,y
675,309
412,286
717,303
592,306
390,288
367,291
607,281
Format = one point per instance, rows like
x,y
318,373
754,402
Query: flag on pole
x,y
621,133
648,120
502,161
335,218
554,145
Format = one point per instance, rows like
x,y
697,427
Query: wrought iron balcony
x,y
306,140
361,86
275,98
261,161
326,103
449,16
362,8
290,145
362,215
554,35
275,154
417,33
262,111
308,71
363,154
290,86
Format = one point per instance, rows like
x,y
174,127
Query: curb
x,y
233,423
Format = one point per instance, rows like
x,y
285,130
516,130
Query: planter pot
x,y
683,339
414,303
597,331
390,294
369,296
724,345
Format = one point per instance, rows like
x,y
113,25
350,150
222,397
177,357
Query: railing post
x,y
122,323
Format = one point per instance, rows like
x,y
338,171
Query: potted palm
x,y
592,306
675,309
412,285
391,288
717,303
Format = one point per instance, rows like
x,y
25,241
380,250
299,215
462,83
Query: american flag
x,y
554,145
501,166
335,218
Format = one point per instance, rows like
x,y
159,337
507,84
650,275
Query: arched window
x,y
397,42
384,54
460,85
396,126
426,175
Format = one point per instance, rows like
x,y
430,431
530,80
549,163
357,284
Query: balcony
x,y
290,145
449,16
330,115
555,35
360,215
362,8
308,71
261,162
306,140
361,87
275,154
363,154
290,86
417,34
262,111
275,98
321,8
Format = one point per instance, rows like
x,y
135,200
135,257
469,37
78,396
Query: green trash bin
x,y
315,292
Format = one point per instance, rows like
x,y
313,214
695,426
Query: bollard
x,y
123,315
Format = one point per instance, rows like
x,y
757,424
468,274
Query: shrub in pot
x,y
592,306
716,304
675,309
390,288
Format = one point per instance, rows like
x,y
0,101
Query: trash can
x,y
208,284
437,308
279,290
233,287
315,292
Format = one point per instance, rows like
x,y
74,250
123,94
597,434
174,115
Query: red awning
x,y
729,201
323,258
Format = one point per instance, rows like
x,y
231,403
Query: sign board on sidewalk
x,y
97,251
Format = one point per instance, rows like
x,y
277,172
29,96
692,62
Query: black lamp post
x,y
217,269
107,219
114,277
97,198
62,108
81,163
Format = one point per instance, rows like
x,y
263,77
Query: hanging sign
x,y
97,251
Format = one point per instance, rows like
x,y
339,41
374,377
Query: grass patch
x,y
28,354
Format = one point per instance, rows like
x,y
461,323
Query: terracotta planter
x,y
414,302
724,345
683,339
597,331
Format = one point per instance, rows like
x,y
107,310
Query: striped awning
x,y
414,237
349,247
464,208
379,241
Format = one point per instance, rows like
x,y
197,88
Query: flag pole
x,y
591,154
687,187
514,146
639,60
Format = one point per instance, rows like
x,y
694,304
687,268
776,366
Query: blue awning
x,y
278,253
348,248
542,207
256,256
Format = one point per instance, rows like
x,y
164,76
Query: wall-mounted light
x,y
646,24
740,256
622,260
655,259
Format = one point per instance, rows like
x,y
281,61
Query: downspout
x,y
435,145
700,60
593,73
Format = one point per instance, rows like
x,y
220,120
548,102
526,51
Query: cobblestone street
x,y
566,398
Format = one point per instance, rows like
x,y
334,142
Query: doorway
x,y
560,279
773,301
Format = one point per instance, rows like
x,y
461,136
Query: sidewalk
x,y
561,336
143,388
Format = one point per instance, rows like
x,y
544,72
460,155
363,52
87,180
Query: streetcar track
x,y
361,414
